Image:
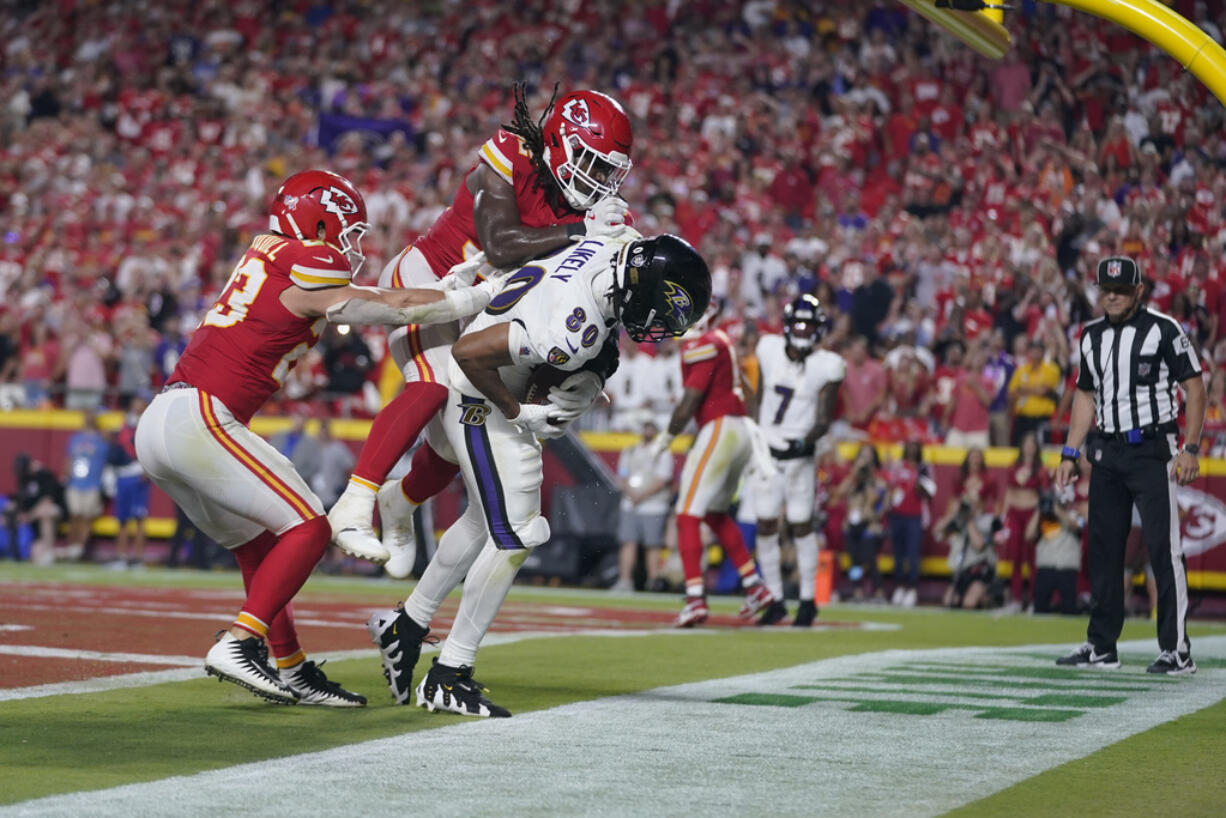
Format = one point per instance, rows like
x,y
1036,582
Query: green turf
x,y
71,743
1173,769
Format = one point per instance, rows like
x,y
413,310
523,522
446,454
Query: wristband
x,y
576,230
1069,453
1192,448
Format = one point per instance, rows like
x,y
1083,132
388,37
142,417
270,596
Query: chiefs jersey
x,y
249,341
708,364
453,237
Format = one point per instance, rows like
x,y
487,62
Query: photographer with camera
x,y
1057,524
864,492
972,553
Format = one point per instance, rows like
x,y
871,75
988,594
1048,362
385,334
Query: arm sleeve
x,y
1180,355
1085,380
836,370
698,365
319,265
698,375
494,154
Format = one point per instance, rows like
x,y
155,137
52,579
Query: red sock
x,y
689,543
282,637
396,427
733,543
428,475
281,573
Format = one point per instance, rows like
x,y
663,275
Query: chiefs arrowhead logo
x,y
1203,523
575,111
337,201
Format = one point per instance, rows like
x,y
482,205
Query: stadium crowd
x,y
946,209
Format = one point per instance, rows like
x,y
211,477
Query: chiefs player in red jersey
x,y
723,448
193,440
536,187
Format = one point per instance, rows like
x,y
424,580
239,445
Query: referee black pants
x,y
1123,474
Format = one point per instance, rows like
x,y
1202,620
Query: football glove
x,y
543,420
464,273
577,393
606,218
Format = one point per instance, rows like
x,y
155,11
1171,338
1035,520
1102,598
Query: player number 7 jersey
x,y
788,406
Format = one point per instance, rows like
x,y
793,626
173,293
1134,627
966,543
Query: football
x,y
541,380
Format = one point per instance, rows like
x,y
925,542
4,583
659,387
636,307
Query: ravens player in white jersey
x,y
796,396
557,311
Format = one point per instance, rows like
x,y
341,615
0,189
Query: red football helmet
x,y
319,197
587,146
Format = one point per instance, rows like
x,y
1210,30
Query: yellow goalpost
x,y
1195,50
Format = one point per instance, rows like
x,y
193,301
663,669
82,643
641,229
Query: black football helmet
x,y
804,323
660,288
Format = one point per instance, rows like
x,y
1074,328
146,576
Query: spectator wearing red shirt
x,y
945,380
866,387
900,125
974,390
792,190
948,118
39,359
910,487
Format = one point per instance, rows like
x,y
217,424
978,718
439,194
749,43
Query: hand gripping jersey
x,y
248,342
790,389
708,364
557,309
453,236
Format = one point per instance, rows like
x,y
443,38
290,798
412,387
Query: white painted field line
x,y
218,616
96,656
194,666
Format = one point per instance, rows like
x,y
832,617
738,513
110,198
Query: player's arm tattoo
x,y
506,240
827,401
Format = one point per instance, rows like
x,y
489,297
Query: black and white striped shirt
x,y
1133,369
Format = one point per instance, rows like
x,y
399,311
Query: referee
x,y
1132,359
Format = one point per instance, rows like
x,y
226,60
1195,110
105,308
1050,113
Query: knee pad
x,y
533,533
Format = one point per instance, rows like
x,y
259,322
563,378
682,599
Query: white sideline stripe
x,y
16,627
222,616
675,750
96,656
196,663
102,684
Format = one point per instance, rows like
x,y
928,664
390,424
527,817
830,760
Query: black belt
x,y
794,452
1135,436
176,385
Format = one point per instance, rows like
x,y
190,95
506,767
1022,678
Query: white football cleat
x,y
396,522
350,519
245,663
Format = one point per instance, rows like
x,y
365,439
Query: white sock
x,y
486,587
457,549
359,499
768,562
806,564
